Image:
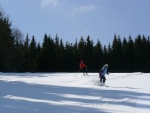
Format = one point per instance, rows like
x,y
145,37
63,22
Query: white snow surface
x,y
74,93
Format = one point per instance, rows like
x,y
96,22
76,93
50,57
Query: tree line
x,y
53,55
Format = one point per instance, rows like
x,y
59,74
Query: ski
x,y
104,85
85,74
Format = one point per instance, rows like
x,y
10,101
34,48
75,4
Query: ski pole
x,y
86,69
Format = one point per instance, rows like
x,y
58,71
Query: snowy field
x,y
74,93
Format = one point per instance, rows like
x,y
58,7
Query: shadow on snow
x,y
25,98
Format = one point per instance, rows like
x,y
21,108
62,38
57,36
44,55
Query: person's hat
x,y
106,65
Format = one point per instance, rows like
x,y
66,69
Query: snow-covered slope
x,y
74,93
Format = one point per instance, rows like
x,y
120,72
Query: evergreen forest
x,y
54,55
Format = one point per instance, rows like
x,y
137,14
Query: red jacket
x,y
82,65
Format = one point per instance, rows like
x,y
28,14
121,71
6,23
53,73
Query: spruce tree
x,y
98,57
33,55
6,44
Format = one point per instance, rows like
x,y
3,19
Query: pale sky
x,y
71,19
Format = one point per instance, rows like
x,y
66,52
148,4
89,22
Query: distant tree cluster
x,y
18,55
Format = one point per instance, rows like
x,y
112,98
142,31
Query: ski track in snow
x,y
123,92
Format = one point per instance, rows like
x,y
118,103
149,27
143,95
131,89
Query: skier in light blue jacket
x,y
102,73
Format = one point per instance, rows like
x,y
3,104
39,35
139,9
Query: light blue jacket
x,y
103,71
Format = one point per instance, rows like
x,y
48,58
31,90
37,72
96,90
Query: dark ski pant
x,y
102,79
83,70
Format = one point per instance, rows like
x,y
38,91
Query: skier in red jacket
x,y
83,67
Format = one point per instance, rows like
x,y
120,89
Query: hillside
x,y
74,93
